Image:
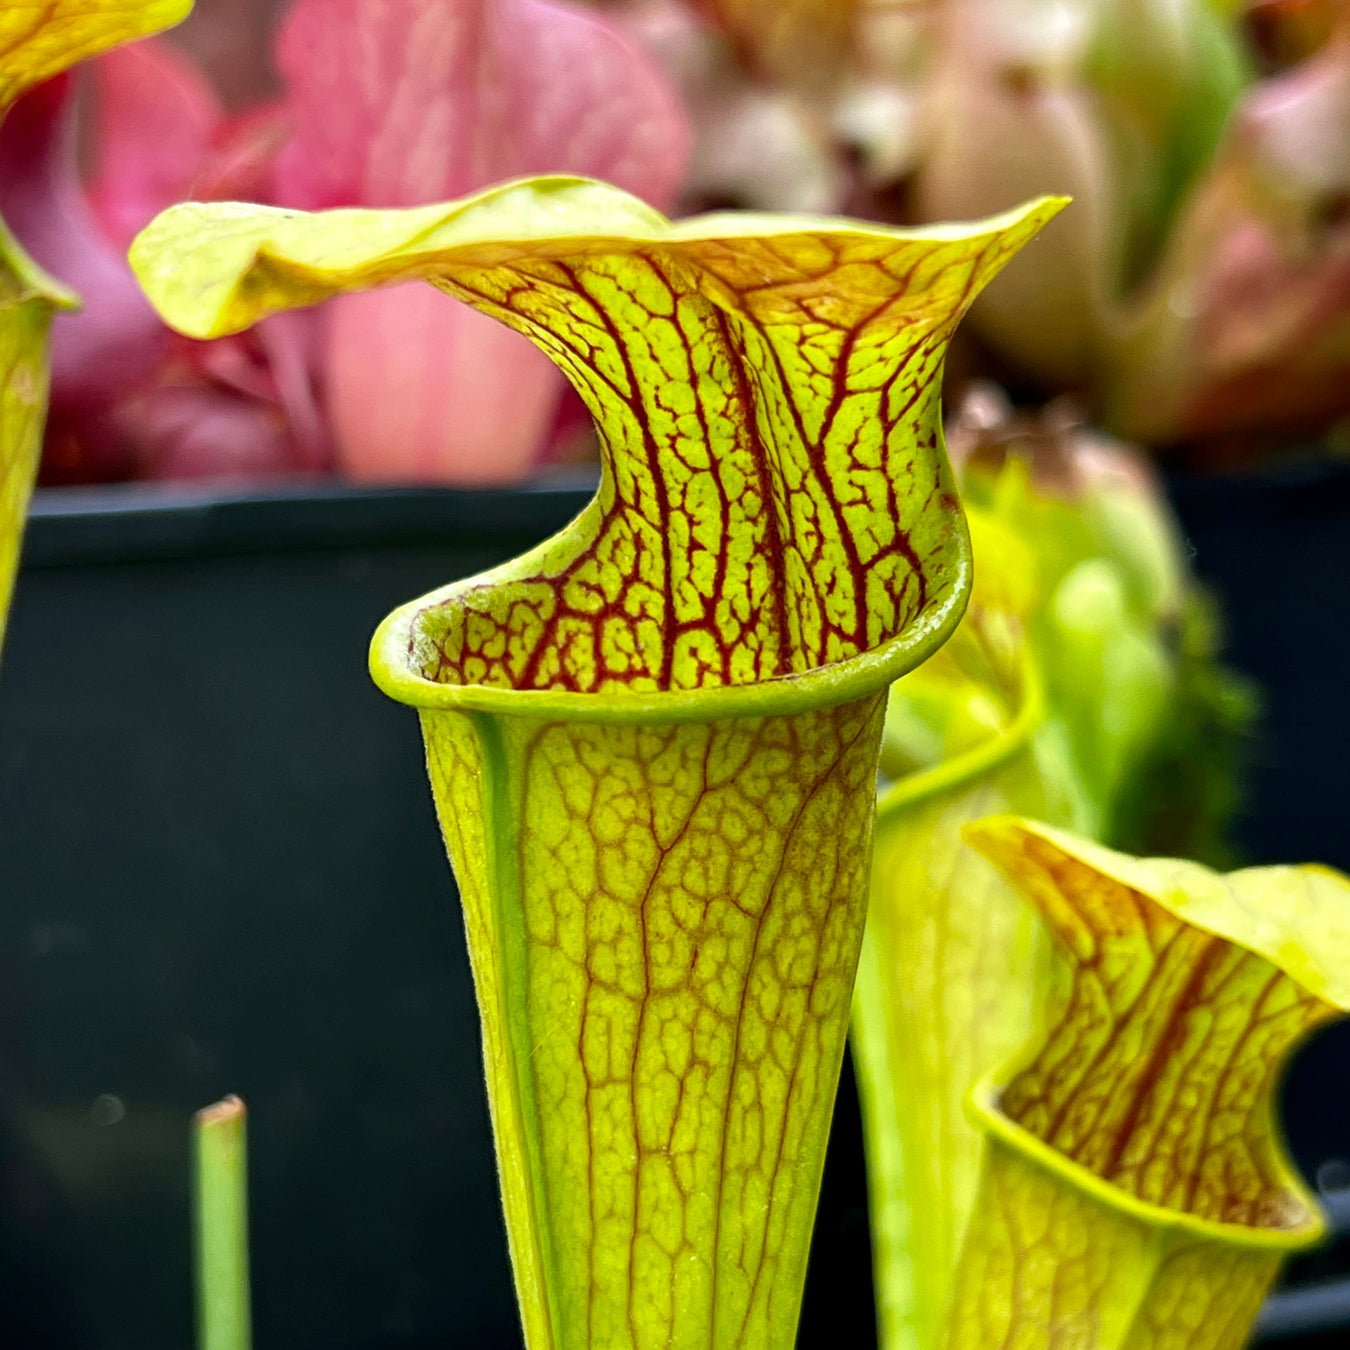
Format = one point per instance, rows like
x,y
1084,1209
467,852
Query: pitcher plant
x,y
1134,1192
1084,666
653,740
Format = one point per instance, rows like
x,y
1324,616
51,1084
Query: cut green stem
x,y
220,1192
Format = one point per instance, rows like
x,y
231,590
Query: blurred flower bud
x,y
1247,328
1140,715
805,45
755,144
1005,116
1285,32
1118,104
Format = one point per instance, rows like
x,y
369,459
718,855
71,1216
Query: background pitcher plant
x,y
38,42
653,740
1134,1191
1081,688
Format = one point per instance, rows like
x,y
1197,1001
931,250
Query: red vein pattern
x,y
1157,1073
1133,1192
777,499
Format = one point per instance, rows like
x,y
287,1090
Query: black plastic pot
x,y
222,873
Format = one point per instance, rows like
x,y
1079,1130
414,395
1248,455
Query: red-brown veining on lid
x,y
769,409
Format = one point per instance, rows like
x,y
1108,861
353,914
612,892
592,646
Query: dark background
x,y
221,873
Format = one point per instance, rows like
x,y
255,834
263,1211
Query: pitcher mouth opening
x,y
401,646
1304,1229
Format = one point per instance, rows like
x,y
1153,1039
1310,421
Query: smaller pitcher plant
x,y
653,740
1134,1193
1064,694
38,42
1001,719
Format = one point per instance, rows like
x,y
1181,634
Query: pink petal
x,y
156,120
195,431
240,164
421,388
261,379
244,404
291,344
127,395
402,102
587,101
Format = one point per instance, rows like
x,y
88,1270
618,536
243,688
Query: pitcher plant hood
x,y
774,501
653,740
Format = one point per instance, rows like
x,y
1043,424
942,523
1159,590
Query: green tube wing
x,y
652,741
1135,1192
38,41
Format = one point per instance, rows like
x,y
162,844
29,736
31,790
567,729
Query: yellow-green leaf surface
x,y
1135,1192
653,740
664,923
27,302
41,38
37,41
952,959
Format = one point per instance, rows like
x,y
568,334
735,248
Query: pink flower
x,y
385,103
402,102
130,398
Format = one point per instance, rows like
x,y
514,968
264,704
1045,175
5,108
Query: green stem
x,y
220,1167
